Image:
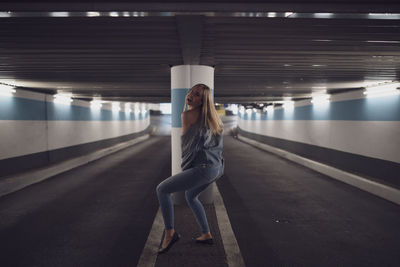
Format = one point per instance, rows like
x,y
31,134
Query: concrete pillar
x,y
183,77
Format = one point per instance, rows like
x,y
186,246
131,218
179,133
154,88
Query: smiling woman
x,y
194,97
202,164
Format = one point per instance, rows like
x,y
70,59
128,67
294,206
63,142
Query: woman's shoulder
x,y
190,116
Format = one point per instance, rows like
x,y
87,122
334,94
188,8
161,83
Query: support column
x,y
183,77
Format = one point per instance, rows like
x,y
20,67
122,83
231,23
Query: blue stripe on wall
x,y
15,108
177,103
367,109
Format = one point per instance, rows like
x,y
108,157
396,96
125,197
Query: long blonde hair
x,y
209,115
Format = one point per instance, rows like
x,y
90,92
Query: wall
x,y
352,132
35,131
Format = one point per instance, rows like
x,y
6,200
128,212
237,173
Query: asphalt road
x,y
284,214
99,214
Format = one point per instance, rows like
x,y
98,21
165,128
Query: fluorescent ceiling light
x,y
96,104
379,14
288,104
6,90
375,94
143,108
269,108
92,14
323,15
137,108
322,40
128,108
59,14
390,42
116,106
5,14
63,98
320,98
139,14
234,108
382,90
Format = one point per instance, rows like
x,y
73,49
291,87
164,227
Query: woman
x,y
202,164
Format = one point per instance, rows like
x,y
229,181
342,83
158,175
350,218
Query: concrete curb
x,y
16,182
380,190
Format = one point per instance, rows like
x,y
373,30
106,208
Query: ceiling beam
x,y
193,6
190,30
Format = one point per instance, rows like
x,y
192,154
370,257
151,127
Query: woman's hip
x,y
209,172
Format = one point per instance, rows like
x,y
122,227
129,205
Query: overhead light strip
x,y
387,89
269,14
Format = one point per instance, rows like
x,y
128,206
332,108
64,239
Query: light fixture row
x,y
116,106
254,14
387,89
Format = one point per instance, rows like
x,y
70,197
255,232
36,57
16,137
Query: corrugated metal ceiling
x,y
262,58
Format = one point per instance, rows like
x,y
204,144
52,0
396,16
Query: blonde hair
x,y
209,115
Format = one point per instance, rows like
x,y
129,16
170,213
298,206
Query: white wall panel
x,y
377,139
69,133
22,137
25,130
26,137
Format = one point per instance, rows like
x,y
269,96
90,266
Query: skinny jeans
x,y
193,181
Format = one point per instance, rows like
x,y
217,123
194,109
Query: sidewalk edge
x,y
380,190
16,182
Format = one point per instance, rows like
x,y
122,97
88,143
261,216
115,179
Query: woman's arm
x,y
185,117
188,118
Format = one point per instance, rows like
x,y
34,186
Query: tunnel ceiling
x,y
261,51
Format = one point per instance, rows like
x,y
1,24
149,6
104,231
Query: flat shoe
x,y
174,239
162,239
209,241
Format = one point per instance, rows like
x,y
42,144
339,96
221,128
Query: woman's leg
x,y
211,174
197,208
180,182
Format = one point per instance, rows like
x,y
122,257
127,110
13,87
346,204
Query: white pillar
x,y
183,77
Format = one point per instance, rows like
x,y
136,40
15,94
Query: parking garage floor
x,y
282,214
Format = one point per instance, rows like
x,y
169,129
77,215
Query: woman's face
x,y
195,97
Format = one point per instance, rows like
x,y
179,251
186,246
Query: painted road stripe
x,y
149,254
232,251
231,247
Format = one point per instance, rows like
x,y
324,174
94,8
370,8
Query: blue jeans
x,y
193,181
